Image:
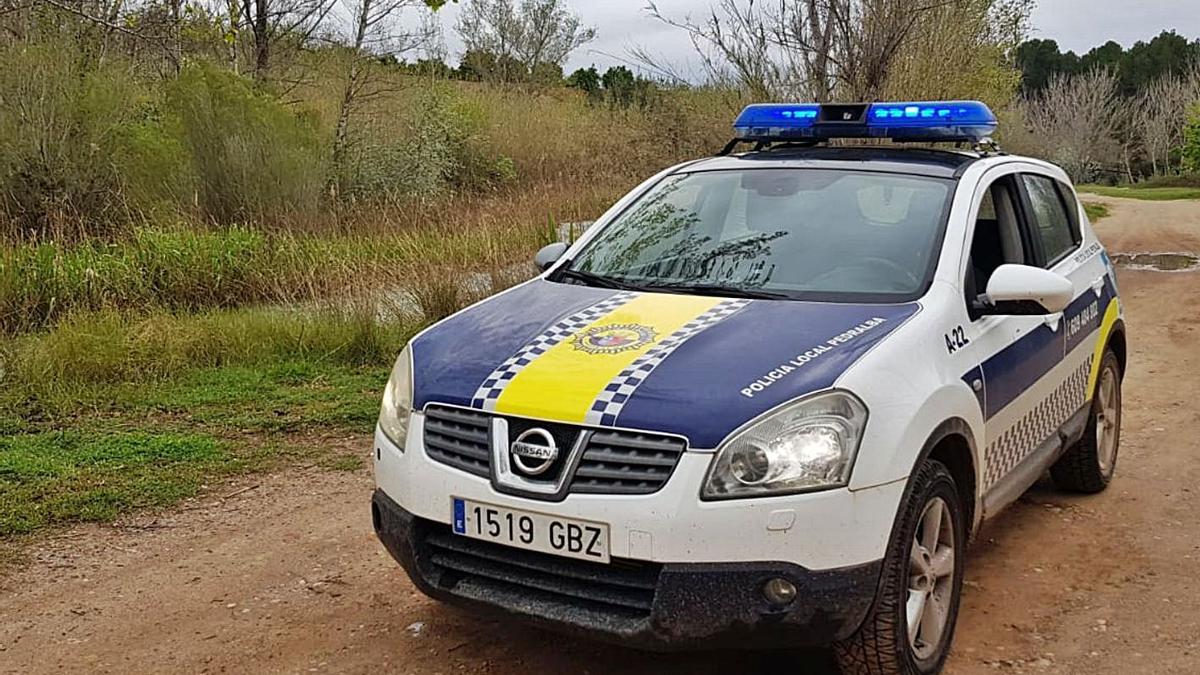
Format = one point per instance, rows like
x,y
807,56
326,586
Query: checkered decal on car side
x,y
485,397
608,404
1006,452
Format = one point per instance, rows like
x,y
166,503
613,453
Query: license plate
x,y
533,531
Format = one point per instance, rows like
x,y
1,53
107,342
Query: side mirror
x,y
1026,290
549,254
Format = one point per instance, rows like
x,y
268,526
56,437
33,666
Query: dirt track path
x,y
287,577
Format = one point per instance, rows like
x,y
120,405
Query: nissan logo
x,y
534,451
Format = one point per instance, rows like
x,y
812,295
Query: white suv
x,y
768,397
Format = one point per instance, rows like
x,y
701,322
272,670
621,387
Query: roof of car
x,y
918,161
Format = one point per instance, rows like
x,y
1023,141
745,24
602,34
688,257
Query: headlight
x,y
397,400
808,445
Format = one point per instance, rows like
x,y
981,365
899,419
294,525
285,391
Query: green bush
x,y
437,148
253,158
83,152
1191,141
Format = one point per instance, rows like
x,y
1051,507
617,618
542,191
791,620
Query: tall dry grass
x,y
227,198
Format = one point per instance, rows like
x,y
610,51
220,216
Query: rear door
x,y
1064,247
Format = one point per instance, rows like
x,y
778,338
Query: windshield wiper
x,y
596,280
718,289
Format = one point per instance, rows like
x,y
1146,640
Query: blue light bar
x,y
927,121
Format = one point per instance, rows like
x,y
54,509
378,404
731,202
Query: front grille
x,y
459,438
613,462
621,589
626,462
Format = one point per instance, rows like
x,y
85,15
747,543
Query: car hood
x,y
697,366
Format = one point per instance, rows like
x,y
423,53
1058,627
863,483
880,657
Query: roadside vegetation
x,y
1095,210
1143,191
217,229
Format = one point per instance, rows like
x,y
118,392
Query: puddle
x,y
1158,262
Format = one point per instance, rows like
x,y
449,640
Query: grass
x,y
290,396
55,476
1147,193
155,443
1095,210
212,310
109,412
188,270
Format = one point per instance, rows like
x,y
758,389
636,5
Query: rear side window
x,y
1052,225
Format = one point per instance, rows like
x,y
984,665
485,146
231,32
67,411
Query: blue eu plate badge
x,y
460,516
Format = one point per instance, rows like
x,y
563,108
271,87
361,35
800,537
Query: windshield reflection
x,y
802,232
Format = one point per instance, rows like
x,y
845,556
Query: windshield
x,y
791,233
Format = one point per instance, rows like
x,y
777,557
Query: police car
x,y
768,397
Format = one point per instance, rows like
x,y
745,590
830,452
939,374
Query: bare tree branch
x,y
809,49
112,26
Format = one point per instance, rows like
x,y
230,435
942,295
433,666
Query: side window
x,y
997,237
1051,226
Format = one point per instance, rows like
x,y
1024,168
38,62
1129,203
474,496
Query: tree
x,y
519,38
1107,56
822,49
271,20
1168,54
962,50
1191,140
1136,68
1076,121
1159,118
1040,60
619,84
546,74
477,65
375,31
587,79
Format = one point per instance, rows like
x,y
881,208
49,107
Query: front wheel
x,y
909,629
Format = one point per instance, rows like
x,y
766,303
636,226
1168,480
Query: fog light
x,y
779,592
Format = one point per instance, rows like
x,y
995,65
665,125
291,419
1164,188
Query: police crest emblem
x,y
614,338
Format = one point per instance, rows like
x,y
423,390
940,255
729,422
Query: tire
x,y
1088,466
882,646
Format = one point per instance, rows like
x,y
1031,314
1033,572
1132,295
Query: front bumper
x,y
635,603
831,529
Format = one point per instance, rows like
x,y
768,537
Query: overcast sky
x,y
1075,24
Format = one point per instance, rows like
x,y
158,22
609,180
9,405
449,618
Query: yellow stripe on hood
x,y
563,383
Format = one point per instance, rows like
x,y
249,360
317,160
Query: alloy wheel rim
x,y
1108,417
930,579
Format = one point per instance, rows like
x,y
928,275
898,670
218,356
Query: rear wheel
x,y
1089,465
909,629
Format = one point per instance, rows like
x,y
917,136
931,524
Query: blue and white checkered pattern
x,y
485,397
612,398
1023,437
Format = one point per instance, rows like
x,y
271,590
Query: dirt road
x,y
287,577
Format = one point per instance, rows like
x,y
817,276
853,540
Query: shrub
x,y
1190,152
1181,180
253,158
436,148
82,149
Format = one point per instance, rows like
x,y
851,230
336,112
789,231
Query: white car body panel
x,y
911,385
